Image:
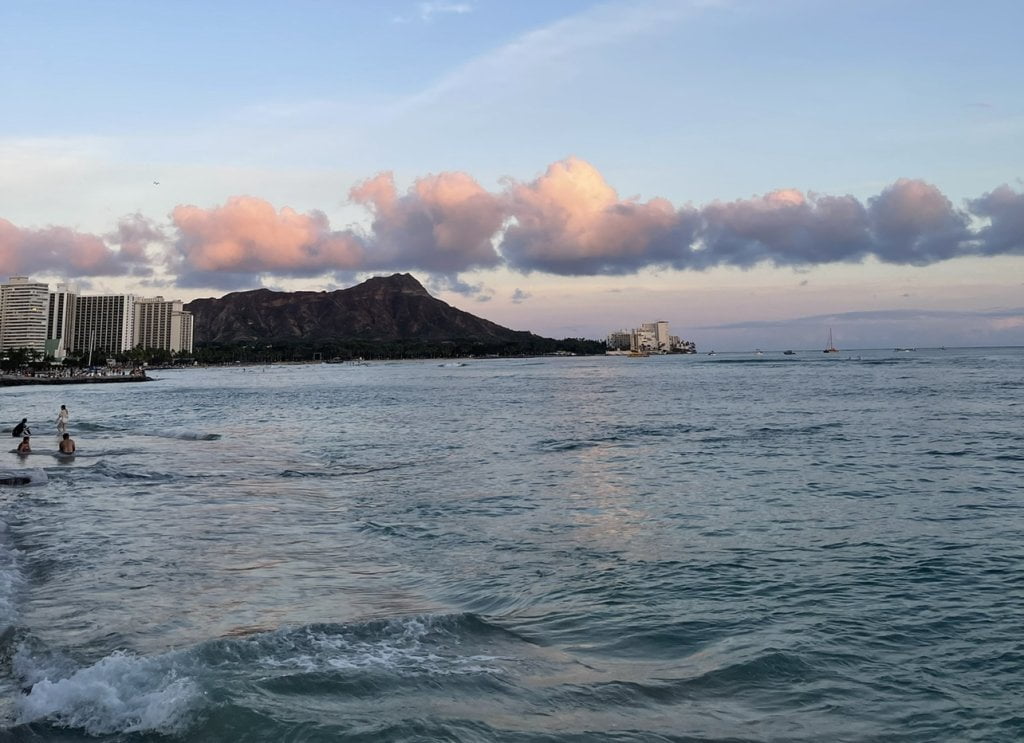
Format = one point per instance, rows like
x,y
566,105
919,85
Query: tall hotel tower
x,y
104,324
23,310
162,324
60,321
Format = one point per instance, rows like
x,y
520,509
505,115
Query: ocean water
x,y
727,548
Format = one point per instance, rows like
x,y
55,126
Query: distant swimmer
x,y
62,419
67,444
24,447
21,429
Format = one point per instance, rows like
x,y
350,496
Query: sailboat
x,y
830,348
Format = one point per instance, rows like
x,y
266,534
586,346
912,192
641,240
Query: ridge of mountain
x,y
381,309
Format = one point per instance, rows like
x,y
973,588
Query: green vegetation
x,y
220,353
255,352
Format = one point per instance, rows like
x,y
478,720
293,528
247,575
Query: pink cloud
x,y
444,223
913,222
567,221
571,221
248,236
62,251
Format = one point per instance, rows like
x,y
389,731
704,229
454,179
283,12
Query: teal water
x,y
728,548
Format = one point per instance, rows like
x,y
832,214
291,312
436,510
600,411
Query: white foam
x,y
402,646
122,693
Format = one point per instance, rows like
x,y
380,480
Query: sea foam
x,y
121,693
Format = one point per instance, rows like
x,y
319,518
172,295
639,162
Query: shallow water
x,y
728,548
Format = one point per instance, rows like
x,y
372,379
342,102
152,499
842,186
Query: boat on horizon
x,y
831,347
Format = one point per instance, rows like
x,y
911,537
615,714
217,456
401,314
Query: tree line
x,y
258,352
291,350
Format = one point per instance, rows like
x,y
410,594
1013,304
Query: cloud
x,y
441,283
425,11
231,245
783,227
443,224
428,10
1008,317
558,46
1004,210
913,222
519,296
62,251
570,221
134,234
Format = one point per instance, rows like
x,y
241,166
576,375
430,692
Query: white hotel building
x,y
104,324
23,310
650,337
62,322
162,324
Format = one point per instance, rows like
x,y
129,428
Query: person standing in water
x,y
67,444
24,447
21,429
62,419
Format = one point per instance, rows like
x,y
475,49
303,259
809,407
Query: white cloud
x,y
551,48
429,10
426,11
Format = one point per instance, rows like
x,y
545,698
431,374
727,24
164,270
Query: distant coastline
x,y
19,380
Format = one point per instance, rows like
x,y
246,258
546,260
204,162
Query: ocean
x,y
686,548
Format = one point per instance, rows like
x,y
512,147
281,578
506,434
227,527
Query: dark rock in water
x,y
391,308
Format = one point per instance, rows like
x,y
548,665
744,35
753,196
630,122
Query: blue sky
x,y
567,168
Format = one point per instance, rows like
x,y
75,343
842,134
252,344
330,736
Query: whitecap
x,y
121,693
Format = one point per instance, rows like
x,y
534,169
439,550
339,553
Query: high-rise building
x,y
187,324
162,324
650,337
23,310
60,321
619,340
104,325
658,333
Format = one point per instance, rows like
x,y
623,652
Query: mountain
x,y
381,309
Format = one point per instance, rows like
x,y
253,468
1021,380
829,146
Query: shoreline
x,y
17,380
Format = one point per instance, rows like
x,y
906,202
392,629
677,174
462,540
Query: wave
x,y
762,433
121,693
179,434
623,435
396,530
760,360
242,674
348,471
23,476
106,470
171,433
92,426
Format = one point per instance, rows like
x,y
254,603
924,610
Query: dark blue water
x,y
728,548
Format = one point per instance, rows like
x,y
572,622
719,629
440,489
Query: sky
x,y
755,172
